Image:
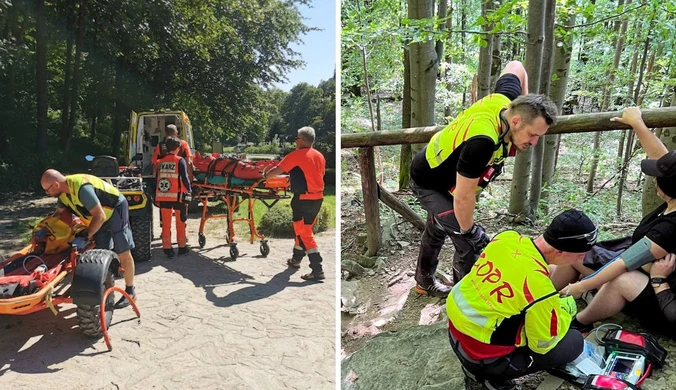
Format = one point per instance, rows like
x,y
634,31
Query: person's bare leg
x,y
128,265
612,297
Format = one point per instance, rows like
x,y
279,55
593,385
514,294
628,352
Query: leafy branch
x,y
604,19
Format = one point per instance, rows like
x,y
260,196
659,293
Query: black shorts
x,y
509,85
306,210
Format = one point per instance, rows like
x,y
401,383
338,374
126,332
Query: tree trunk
x,y
41,77
545,78
76,73
424,65
620,31
628,100
463,26
405,156
120,107
447,57
649,198
69,7
496,61
519,190
442,13
485,52
561,67
630,139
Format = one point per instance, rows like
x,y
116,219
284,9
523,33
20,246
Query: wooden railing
x,y
565,124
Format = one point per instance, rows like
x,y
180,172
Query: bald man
x,y
103,210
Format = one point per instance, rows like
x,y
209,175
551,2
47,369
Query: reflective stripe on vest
x,y
508,276
481,119
168,181
107,194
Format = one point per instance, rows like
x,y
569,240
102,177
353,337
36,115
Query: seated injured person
x,y
634,274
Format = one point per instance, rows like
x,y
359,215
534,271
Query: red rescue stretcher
x,y
234,192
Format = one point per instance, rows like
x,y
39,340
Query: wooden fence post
x,y
369,187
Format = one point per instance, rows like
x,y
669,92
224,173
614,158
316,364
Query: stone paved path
x,y
207,323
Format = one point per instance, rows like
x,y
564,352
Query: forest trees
x,y
598,55
69,77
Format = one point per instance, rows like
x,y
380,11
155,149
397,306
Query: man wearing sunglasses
x,y
305,167
506,317
103,210
461,160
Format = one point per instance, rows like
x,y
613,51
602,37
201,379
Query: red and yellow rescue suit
x,y
306,168
172,186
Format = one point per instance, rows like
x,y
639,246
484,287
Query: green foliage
x,y
277,221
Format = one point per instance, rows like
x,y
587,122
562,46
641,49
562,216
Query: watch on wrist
x,y
463,232
658,281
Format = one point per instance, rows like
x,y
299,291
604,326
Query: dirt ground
x,y
207,322
382,300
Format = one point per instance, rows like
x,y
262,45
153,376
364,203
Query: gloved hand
x,y
477,238
80,243
569,306
187,198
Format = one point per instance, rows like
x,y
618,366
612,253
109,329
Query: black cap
x,y
664,166
571,231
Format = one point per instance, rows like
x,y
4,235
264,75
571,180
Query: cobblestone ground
x,y
207,322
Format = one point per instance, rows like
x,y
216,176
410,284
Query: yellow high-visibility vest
x,y
108,195
509,276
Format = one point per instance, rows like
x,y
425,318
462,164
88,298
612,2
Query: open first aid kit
x,y
621,360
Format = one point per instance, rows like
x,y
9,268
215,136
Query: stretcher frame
x,y
233,197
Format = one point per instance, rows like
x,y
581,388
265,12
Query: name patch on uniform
x,y
168,167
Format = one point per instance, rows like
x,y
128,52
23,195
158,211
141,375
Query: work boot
x,y
169,252
123,302
183,251
436,289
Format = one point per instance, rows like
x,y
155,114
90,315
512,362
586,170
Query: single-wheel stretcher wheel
x,y
265,248
201,240
234,252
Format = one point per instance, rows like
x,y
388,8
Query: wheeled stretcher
x,y
235,192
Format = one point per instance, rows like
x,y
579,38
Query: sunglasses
x,y
49,188
590,237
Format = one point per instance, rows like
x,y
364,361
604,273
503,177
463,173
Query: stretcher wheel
x,y
265,248
201,240
234,252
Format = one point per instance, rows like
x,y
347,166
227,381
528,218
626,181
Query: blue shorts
x,y
115,234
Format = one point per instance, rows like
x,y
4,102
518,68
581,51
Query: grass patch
x,y
276,221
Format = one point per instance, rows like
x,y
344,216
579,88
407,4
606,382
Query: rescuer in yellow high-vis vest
x,y
103,210
506,317
461,160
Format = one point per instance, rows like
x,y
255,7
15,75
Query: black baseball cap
x,y
571,231
664,166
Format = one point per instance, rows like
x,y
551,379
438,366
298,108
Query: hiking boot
x,y
169,252
183,251
436,289
123,302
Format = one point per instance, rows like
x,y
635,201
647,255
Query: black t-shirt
x,y
470,158
659,228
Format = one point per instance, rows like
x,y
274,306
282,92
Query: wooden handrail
x,y
566,124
